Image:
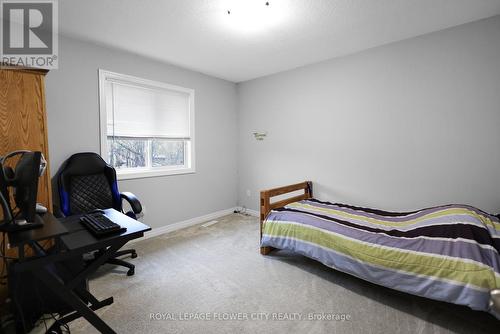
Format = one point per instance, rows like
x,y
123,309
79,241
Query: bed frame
x,y
266,206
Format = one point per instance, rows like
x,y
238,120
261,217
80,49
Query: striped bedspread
x,y
448,253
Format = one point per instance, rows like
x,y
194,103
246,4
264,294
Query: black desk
x,y
73,240
80,238
52,228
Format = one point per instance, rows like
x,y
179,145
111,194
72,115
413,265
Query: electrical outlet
x,y
249,193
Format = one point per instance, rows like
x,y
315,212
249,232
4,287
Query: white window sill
x,y
141,174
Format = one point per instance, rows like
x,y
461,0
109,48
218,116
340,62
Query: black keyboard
x,y
99,224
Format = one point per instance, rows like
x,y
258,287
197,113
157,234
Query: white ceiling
x,y
200,35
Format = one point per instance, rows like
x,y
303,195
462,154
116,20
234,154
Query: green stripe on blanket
x,y
434,266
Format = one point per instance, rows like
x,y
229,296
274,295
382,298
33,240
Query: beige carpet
x,y
215,273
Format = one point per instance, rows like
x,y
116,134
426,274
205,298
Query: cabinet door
x,y
23,120
23,126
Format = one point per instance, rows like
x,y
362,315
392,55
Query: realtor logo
x,y
29,33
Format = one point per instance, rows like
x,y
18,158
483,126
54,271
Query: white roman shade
x,y
147,127
149,112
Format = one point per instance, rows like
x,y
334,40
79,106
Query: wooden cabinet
x,y
23,124
23,119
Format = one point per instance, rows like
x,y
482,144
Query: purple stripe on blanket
x,y
443,220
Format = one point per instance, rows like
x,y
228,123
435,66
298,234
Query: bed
x,y
448,253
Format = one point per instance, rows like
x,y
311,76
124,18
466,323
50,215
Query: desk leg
x,y
54,283
94,306
95,264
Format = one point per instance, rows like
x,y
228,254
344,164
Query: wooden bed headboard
x,y
266,206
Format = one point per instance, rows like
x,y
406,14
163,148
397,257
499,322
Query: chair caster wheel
x,y
131,272
133,255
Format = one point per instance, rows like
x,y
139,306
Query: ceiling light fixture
x,y
229,10
250,16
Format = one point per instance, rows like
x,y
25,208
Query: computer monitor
x,y
25,185
23,181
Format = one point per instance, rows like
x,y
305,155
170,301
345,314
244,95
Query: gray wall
x,y
407,125
73,124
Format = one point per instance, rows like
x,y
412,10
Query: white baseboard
x,y
156,231
254,213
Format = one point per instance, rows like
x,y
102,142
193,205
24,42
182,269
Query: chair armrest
x,y
134,202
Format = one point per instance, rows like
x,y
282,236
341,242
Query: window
x,y
147,127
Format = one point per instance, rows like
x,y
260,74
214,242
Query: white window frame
x,y
142,172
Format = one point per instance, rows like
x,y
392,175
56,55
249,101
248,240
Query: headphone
x,y
7,214
9,172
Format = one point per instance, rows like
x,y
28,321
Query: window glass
x,y
167,152
127,152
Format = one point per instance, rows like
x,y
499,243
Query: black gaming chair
x,y
86,183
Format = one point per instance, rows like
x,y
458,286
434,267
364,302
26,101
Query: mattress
x,y
448,253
